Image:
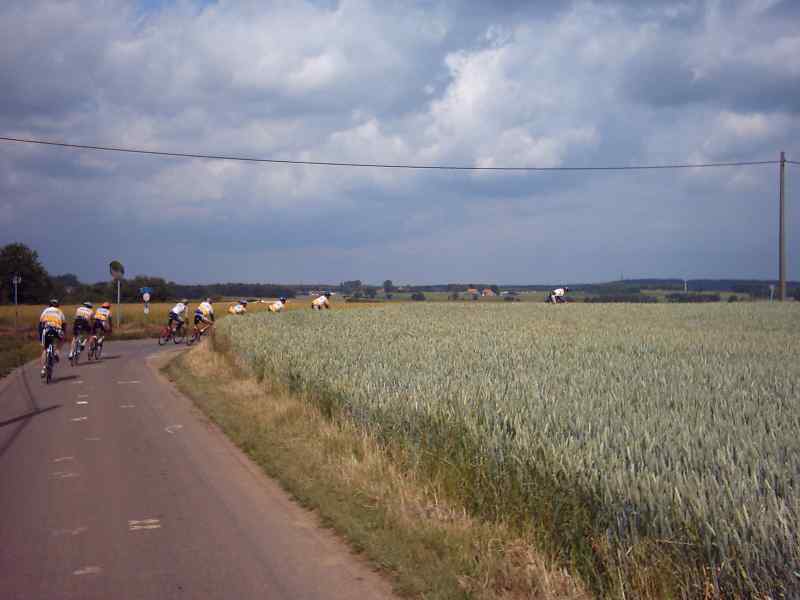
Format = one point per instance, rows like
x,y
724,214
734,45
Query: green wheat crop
x,y
676,427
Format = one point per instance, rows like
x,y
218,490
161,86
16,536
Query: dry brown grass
x,y
399,519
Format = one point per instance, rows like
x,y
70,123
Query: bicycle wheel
x,y
49,365
166,334
98,351
179,336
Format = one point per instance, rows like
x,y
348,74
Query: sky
x,y
472,83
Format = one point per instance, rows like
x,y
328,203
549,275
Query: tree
x,y
418,297
18,259
495,289
388,286
350,287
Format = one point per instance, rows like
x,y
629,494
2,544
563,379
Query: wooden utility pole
x,y
782,236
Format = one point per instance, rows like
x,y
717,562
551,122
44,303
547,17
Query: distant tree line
x,y
693,298
38,286
620,298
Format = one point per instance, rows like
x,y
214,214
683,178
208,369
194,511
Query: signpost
x,y
145,293
117,271
16,279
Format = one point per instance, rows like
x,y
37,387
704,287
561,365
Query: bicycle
x,y
48,365
177,334
197,333
95,347
78,342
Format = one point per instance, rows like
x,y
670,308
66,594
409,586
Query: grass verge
x,y
15,351
400,518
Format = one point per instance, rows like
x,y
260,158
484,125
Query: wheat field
x,y
656,437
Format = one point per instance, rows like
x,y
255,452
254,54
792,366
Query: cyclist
x,y
278,305
102,322
52,324
177,314
204,313
84,316
321,302
557,296
238,309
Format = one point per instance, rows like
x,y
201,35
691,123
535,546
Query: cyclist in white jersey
x,y
177,314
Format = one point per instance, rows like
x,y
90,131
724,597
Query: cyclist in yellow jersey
x,y
204,313
84,315
102,320
321,302
278,305
238,309
52,324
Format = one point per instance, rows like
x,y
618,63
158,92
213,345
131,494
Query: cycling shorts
x,y
80,324
99,326
175,317
50,335
200,318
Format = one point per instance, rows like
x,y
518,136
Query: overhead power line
x,y
322,163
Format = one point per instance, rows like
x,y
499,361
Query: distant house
x,y
488,292
474,293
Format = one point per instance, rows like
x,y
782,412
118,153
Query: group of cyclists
x,y
204,313
94,323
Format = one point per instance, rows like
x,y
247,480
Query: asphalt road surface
x,y
114,486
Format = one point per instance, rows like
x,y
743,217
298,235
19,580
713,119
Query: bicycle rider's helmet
x,y
88,304
327,294
106,305
54,302
208,300
184,301
243,302
283,299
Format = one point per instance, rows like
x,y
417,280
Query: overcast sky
x,y
540,84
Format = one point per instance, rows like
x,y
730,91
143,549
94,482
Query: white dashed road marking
x,y
127,406
76,531
63,475
135,525
81,402
80,418
63,458
128,382
80,381
83,395
90,570
173,428
92,439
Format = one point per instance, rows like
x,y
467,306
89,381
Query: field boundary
x,y
399,519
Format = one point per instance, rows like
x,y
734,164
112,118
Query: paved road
x,y
112,485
